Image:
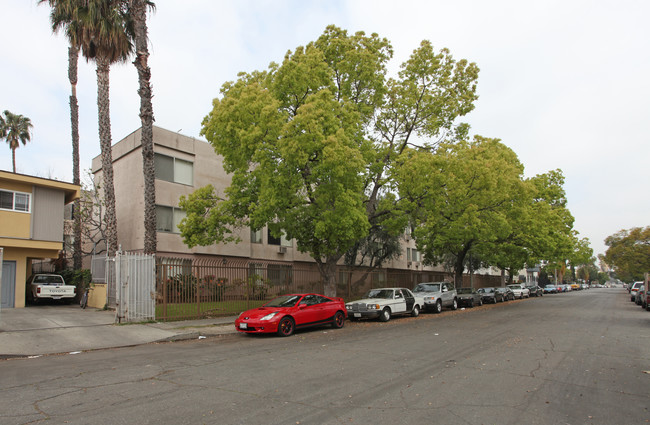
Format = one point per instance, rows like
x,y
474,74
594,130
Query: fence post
x,y
197,290
164,289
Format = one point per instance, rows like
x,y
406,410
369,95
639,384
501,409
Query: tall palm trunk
x,y
73,59
13,158
103,107
138,11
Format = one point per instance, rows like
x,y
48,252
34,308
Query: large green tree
x,y
628,253
540,225
310,143
15,129
461,197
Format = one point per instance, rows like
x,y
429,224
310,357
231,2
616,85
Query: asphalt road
x,y
576,358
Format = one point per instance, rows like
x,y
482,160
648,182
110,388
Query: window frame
x,y
174,179
174,222
28,203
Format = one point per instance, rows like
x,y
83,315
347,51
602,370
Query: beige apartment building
x,y
184,164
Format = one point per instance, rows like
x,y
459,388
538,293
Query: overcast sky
x,y
565,84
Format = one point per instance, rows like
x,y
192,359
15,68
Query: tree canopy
x,y
15,129
628,253
311,142
461,196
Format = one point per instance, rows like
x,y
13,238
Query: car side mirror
x,y
302,305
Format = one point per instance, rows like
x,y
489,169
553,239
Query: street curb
x,y
180,337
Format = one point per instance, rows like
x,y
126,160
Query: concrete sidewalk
x,y
51,329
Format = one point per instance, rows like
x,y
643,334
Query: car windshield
x,y
48,280
284,301
550,286
427,287
464,291
380,293
487,290
514,286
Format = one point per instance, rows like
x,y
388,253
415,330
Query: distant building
x,y
31,228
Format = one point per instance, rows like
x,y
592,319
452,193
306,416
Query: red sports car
x,y
287,313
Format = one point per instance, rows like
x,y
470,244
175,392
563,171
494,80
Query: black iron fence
x,y
188,288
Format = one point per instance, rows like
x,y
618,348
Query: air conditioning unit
x,y
282,250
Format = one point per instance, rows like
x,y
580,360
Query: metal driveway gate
x,y
135,287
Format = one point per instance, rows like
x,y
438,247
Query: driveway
x,y
52,317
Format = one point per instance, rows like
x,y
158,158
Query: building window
x,y
281,241
285,242
412,254
14,201
167,218
280,274
174,170
256,236
272,239
256,273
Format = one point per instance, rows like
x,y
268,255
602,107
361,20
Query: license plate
x,y
357,314
243,326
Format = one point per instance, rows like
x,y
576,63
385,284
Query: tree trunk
x,y
328,274
138,11
13,158
73,59
103,107
459,268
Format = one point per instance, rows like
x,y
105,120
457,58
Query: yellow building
x,y
31,227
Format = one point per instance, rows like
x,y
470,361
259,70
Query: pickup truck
x,y
437,295
50,287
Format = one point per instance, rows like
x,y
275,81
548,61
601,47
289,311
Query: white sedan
x,y
520,290
382,303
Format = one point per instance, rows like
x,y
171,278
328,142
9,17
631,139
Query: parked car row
x,y
563,287
640,295
284,314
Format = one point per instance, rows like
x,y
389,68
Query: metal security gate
x,y
8,284
135,287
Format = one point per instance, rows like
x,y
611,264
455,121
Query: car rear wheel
x,y
286,326
471,304
480,302
454,305
385,315
416,311
339,320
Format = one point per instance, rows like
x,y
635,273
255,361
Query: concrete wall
x,y
97,295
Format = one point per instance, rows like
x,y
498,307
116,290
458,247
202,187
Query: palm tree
x,y
138,13
62,20
104,33
15,130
